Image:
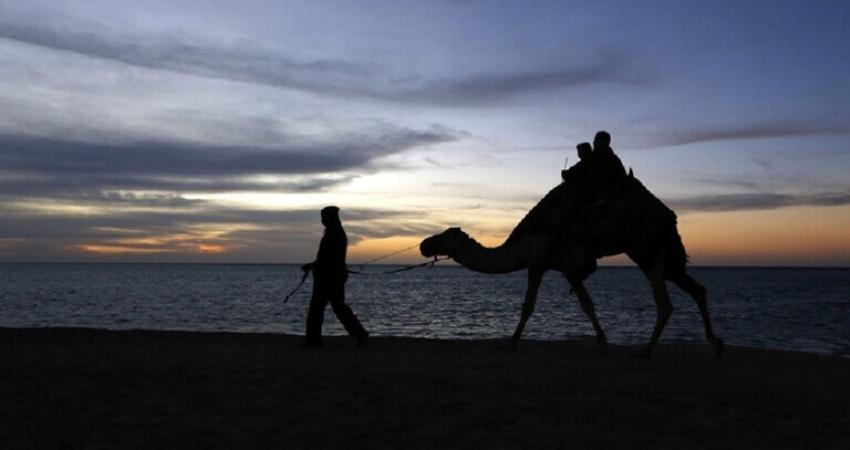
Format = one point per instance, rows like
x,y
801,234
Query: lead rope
x,y
303,279
403,269
386,256
355,272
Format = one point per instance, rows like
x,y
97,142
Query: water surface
x,y
795,309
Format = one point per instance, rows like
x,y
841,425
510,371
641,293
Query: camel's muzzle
x,y
426,248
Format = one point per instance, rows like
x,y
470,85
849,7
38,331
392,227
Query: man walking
x,y
329,276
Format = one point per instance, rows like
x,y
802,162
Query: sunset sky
x,y
215,131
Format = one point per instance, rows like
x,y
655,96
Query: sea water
x,y
781,308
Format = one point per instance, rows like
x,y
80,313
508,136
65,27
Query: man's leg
x,y
315,317
346,316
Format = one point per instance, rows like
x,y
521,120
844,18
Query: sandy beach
x,y
91,389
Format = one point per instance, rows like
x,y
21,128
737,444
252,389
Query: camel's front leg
x,y
662,304
534,277
590,311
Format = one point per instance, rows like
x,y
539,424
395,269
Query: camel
x,y
555,235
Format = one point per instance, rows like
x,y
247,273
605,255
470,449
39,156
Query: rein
x,y
403,269
303,279
389,272
387,255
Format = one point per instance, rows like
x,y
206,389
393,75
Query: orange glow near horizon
x,y
130,249
107,249
789,236
211,248
194,242
798,236
369,249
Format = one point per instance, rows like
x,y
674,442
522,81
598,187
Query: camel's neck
x,y
502,259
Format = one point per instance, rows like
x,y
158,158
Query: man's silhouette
x,y
584,152
329,276
581,177
597,169
606,167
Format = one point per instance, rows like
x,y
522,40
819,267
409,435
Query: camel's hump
x,y
547,211
628,198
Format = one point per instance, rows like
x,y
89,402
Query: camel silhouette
x,y
558,235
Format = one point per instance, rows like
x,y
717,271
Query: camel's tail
x,y
676,255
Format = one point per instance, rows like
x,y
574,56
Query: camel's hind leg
x,y
697,291
590,311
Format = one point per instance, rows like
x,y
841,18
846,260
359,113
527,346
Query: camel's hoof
x,y
508,344
642,354
718,346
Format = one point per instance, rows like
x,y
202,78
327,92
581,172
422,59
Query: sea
x,y
802,309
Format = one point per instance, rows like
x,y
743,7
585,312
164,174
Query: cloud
x,y
241,61
486,89
41,224
138,200
47,165
173,158
111,195
764,130
757,201
256,63
144,223
378,229
740,182
197,232
105,189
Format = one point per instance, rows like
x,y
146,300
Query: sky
x,y
215,131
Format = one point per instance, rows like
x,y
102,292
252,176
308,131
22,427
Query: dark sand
x,y
77,388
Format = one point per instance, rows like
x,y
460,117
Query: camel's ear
x,y
455,231
631,174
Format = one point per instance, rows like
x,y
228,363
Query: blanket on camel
x,y
622,214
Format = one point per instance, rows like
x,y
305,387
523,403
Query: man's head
x,y
602,140
330,216
584,150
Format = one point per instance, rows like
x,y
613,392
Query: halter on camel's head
x,y
447,243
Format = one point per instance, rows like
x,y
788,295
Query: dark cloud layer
x,y
765,130
180,54
53,166
251,63
160,158
100,188
756,201
492,88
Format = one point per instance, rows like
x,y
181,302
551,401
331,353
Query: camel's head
x,y
446,243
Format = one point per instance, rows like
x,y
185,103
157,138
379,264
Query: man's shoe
x,y
362,342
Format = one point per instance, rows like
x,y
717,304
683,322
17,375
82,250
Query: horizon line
x,y
450,264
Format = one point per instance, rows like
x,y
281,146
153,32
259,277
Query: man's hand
x,y
307,267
